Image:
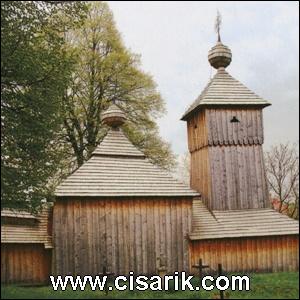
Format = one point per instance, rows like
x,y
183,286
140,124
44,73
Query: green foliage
x,y
262,286
53,93
35,69
106,71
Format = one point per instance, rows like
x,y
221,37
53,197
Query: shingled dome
x,y
219,56
113,117
118,168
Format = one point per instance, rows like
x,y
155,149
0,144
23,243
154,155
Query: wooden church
x,y
120,211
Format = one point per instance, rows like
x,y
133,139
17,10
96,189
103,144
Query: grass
x,y
262,286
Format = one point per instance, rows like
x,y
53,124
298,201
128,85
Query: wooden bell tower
x,y
225,138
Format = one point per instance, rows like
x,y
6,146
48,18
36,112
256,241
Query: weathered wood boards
x,y
213,126
25,264
121,211
227,165
220,224
26,246
124,234
200,174
224,90
238,177
251,254
22,227
119,169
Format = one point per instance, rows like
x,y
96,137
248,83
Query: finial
x,y
218,23
219,56
113,116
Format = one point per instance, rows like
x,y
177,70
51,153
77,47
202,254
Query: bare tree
x,y
182,172
282,166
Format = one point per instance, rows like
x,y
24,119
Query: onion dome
x,y
113,116
219,56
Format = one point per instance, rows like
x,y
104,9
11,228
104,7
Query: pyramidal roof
x,y
223,89
115,143
118,168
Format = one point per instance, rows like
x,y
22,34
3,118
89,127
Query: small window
x,y
234,120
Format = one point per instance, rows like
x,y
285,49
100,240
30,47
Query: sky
x,y
174,37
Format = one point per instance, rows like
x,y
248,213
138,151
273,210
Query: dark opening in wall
x,y
234,120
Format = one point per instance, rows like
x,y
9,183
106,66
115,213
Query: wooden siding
x,y
253,254
200,174
25,264
230,177
125,235
227,166
25,228
248,131
197,131
212,126
238,177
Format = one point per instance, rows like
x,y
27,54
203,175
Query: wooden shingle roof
x,y
239,223
223,89
116,143
18,214
118,168
36,233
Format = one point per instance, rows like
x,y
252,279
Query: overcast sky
x,y
173,39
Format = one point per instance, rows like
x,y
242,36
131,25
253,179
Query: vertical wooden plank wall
x,y
25,263
251,254
200,179
122,234
238,176
248,131
227,165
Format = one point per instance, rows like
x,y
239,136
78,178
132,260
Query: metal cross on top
x,y
218,25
